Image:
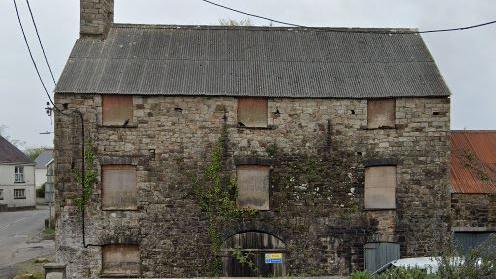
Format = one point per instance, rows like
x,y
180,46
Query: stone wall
x,y
317,148
96,16
473,211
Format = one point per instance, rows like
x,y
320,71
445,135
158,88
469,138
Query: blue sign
x,y
273,258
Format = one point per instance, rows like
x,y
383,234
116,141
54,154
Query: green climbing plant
x,y
88,179
216,193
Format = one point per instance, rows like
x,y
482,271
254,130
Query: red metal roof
x,y
473,162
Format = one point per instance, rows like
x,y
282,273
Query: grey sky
x,y
466,59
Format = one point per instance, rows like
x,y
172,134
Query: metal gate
x,y
467,241
378,254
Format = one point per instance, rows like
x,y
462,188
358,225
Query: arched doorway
x,y
252,253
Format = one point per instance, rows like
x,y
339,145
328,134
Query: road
x,y
19,237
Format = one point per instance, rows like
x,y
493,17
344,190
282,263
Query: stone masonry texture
x,y
96,16
473,211
318,214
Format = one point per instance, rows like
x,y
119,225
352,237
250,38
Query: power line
x,y
34,62
350,31
39,40
30,53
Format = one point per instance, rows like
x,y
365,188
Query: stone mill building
x,y
246,151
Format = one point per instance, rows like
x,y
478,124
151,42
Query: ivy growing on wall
x,y
216,193
88,179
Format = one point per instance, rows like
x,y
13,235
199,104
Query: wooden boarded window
x,y
256,246
117,110
381,113
253,187
120,260
380,187
252,112
119,187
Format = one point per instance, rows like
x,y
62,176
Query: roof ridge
x,y
260,28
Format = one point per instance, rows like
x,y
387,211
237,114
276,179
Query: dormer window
x,y
252,112
117,110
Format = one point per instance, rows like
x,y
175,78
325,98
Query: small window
x,y
120,260
1,194
253,187
380,187
117,110
252,112
19,194
19,174
381,113
119,187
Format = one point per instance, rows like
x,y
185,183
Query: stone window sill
x,y
23,198
120,209
381,128
19,182
118,126
119,275
269,127
379,209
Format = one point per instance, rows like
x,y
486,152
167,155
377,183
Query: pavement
x,y
21,239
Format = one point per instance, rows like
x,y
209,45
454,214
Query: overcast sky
x,y
466,59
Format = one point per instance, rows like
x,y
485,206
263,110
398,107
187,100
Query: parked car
x,y
429,264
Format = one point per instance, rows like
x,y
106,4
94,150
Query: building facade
x,y
42,166
473,180
247,151
16,178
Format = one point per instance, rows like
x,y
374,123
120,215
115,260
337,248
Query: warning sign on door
x,y
273,258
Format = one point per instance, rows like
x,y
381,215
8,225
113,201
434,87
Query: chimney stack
x,y
96,17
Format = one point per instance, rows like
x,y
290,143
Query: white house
x,y
40,176
17,183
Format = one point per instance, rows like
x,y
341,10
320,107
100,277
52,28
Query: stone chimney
x,y
96,18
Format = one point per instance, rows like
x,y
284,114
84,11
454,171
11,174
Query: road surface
x,y
19,237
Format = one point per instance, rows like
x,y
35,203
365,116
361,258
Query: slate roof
x,y
252,61
43,159
9,154
473,162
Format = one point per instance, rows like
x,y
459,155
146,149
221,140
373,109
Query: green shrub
x,y
361,275
403,273
479,263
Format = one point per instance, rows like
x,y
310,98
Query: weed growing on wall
x,y
88,179
216,194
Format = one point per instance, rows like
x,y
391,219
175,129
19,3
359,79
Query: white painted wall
x,y
7,176
40,177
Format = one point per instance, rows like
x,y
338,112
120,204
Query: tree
x,y
233,22
18,143
34,152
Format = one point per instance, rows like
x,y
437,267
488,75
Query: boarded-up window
x,y
117,110
252,112
380,187
120,260
119,187
381,113
253,187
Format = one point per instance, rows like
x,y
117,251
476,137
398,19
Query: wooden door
x,y
245,255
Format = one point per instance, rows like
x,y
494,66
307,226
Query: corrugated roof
x,y
252,61
43,159
9,154
473,162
